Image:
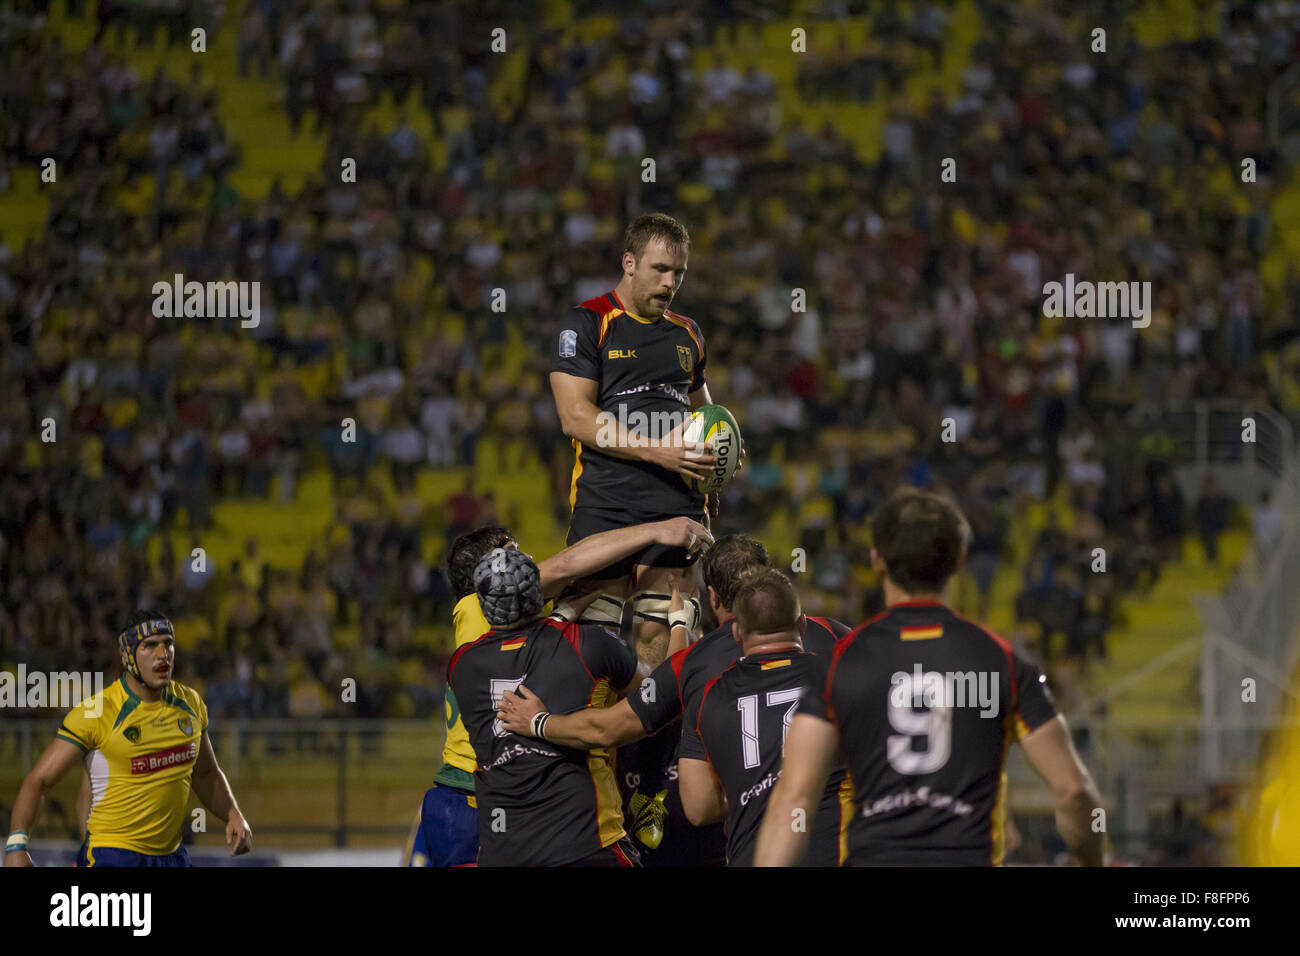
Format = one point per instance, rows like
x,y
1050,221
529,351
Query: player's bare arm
x,y
601,550
213,789
700,397
59,757
595,726
809,756
584,729
703,799
1052,755
575,401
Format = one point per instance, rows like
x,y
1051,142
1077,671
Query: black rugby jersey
x,y
541,804
645,372
658,702
926,704
744,715
662,697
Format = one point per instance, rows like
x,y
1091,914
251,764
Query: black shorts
x,y
588,521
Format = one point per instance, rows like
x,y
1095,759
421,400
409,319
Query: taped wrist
x,y
653,606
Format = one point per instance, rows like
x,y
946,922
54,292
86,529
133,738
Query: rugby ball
x,y
716,428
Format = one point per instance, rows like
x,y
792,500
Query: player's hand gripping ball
x,y
716,428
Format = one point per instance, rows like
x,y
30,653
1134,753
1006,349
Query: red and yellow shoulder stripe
x,y
688,324
608,309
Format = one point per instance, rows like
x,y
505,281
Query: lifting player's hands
x,y
683,533
517,710
688,458
238,833
682,610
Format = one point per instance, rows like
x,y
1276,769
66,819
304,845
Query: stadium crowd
x,y
923,302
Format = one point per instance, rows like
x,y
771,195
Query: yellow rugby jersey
x,y
140,757
458,760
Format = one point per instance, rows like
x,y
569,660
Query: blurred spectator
x,y
376,301
1213,510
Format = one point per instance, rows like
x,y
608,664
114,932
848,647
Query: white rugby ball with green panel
x,y
717,429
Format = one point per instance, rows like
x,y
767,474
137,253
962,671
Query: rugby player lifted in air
x,y
144,742
626,373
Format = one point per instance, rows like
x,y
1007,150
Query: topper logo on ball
x,y
723,448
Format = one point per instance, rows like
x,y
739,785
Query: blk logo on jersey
x,y
162,759
684,357
132,734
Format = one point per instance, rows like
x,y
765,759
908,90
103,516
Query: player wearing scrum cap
x,y
539,804
144,743
669,692
446,831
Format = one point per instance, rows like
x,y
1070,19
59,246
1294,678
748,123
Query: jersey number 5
x,y
748,707
498,690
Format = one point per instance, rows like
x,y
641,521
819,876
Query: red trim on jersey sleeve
x,y
604,307
826,624
868,621
1003,643
841,646
601,304
689,325
463,648
677,660
572,632
700,713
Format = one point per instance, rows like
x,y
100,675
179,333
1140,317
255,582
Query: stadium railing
x,y
301,782
1284,113
1251,648
1207,436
